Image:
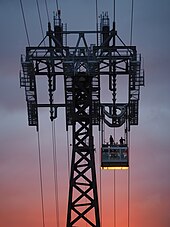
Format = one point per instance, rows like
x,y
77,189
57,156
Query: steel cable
x,y
41,180
131,22
57,5
129,170
100,176
39,15
46,7
25,25
55,172
68,155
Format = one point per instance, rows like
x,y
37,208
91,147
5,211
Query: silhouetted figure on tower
x,y
111,140
121,141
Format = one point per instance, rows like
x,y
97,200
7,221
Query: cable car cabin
x,y
114,156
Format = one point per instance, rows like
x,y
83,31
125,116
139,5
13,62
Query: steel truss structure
x,y
82,66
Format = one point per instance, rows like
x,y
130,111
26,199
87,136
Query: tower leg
x,y
83,201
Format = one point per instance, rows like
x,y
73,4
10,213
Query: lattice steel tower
x,y
82,66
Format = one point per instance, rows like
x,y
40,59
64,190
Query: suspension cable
x,y
131,21
25,25
114,186
129,175
68,155
55,172
114,130
57,5
97,27
114,10
39,15
47,11
129,170
41,181
100,175
114,194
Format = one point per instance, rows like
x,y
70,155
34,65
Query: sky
x,y
149,148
